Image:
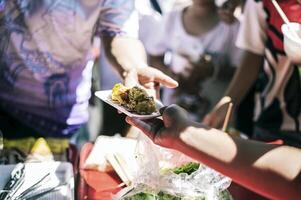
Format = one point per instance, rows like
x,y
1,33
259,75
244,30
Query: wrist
x,y
130,67
130,75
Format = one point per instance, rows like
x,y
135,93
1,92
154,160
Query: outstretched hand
x,y
164,132
150,78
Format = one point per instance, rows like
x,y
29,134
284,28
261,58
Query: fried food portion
x,y
134,99
120,94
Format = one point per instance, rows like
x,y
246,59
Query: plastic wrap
x,y
156,179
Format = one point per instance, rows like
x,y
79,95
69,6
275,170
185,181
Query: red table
x,y
94,184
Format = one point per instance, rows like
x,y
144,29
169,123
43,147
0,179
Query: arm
x,y
124,53
244,77
271,170
116,23
252,39
128,56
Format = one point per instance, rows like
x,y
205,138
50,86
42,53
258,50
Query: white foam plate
x,y
105,95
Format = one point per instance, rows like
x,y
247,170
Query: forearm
x,y
245,76
124,53
270,170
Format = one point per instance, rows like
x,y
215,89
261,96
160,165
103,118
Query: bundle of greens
x,y
225,195
187,168
134,99
149,196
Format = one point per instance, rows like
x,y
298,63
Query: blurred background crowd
x,y
206,54
191,41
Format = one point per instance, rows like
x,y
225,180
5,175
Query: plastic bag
x,y
156,178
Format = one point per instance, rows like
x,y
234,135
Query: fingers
x,y
146,128
157,89
150,88
173,115
138,123
152,74
165,80
161,110
164,132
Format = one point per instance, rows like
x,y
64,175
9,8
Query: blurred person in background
x,y
194,46
45,73
278,105
228,11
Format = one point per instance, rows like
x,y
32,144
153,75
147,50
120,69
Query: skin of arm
x,y
124,53
128,57
241,83
244,78
270,170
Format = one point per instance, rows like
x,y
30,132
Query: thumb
x,y
173,115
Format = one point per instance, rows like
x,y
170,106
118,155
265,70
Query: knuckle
x,y
174,110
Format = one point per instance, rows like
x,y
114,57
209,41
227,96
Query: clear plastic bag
x,y
156,178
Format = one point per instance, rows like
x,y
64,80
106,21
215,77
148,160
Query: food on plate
x,y
134,99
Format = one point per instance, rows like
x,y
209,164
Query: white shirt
x,y
219,42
